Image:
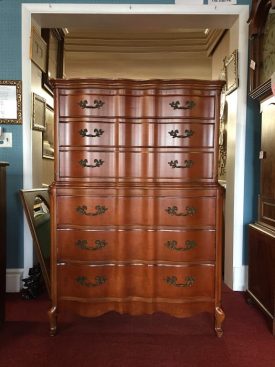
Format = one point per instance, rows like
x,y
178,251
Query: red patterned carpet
x,y
114,340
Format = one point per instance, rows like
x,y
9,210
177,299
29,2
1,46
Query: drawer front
x,y
186,166
123,245
186,135
88,104
82,133
139,280
89,165
167,106
168,165
135,211
185,106
137,106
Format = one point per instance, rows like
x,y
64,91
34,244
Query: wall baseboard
x,y
240,278
14,280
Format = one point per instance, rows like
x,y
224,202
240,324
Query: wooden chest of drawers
x,y
136,207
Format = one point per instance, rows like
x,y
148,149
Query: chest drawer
x,y
138,105
139,280
131,134
123,244
94,165
81,133
186,135
135,211
170,135
94,103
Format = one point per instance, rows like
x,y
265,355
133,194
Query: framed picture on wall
x,y
38,50
48,135
38,112
54,39
231,72
10,102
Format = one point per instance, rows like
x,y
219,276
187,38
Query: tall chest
x,y
136,205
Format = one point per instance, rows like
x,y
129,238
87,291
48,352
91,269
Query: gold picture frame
x,y
231,72
38,113
48,135
38,50
10,102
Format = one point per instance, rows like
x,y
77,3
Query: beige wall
x,y
137,65
218,56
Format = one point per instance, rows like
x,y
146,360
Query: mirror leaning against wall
x,y
37,210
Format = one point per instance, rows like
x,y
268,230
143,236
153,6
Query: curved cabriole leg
x,y
219,317
53,318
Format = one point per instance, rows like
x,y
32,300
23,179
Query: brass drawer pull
x,y
83,245
98,133
173,211
98,163
172,245
99,280
97,104
187,164
99,210
188,105
189,281
187,134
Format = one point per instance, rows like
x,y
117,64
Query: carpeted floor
x,y
114,340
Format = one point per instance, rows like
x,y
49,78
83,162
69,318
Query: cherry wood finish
x,y
156,103
3,231
136,211
136,165
136,134
136,280
136,207
136,244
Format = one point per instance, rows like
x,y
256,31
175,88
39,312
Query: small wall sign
x,y
222,2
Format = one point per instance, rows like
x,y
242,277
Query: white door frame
x,y
234,269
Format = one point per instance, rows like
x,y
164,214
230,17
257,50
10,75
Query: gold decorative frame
x,y
231,72
38,50
48,135
38,113
10,102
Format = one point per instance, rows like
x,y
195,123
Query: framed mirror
x,y
37,210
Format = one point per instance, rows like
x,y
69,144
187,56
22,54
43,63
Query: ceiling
x,y
183,41
139,33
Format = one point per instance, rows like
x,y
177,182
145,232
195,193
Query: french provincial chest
x,y
136,206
